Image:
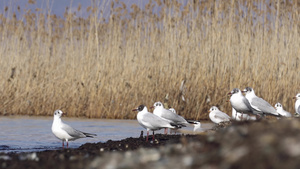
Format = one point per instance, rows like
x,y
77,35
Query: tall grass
x,y
103,67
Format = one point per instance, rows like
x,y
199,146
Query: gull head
x,y
213,108
234,91
58,113
140,108
278,106
157,104
297,97
248,90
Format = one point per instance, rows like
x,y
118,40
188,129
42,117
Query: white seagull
x,y
281,111
150,121
239,102
217,116
297,104
259,104
65,132
168,115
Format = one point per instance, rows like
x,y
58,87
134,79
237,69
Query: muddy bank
x,y
264,144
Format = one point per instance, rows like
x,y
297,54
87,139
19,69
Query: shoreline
x,y
259,144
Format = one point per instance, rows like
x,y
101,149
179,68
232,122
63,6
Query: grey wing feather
x,y
155,120
263,105
73,132
246,102
222,116
173,117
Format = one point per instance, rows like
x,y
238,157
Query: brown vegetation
x,y
102,67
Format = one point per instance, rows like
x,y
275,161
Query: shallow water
x,y
28,134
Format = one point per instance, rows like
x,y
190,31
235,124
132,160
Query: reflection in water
x,y
25,134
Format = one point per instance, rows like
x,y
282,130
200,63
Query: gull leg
x,y
147,136
166,131
153,137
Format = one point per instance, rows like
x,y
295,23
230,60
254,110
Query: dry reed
x,y
103,67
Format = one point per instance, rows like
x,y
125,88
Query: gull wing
x,y
73,132
153,120
262,105
222,116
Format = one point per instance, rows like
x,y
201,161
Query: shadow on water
x,y
30,134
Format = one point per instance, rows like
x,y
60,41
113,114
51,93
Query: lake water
x,y
28,134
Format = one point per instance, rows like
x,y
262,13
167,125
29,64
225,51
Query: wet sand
x,y
263,144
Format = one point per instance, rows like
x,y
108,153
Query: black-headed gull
x,y
239,102
217,116
65,132
281,111
151,121
259,104
168,115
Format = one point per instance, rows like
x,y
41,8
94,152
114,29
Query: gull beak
x,y
135,110
229,93
294,97
152,107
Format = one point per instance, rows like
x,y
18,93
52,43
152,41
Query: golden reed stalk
x,y
104,66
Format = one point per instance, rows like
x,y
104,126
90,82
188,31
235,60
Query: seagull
x,y
297,104
217,116
281,111
259,104
239,102
65,132
151,121
168,115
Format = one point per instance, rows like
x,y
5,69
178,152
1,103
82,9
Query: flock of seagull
x,y
248,107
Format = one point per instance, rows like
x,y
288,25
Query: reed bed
x,y
104,66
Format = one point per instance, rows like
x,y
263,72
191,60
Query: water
x,y
28,134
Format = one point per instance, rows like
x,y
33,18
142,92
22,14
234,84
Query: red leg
x,y
166,131
147,136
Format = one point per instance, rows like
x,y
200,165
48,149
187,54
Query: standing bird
x,y
281,111
150,121
259,104
239,102
297,104
217,116
168,115
65,132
